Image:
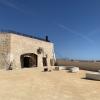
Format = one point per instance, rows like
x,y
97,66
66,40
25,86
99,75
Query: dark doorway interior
x,y
44,61
28,60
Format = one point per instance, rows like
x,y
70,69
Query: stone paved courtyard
x,y
33,84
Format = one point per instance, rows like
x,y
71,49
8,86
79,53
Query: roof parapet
x,y
26,35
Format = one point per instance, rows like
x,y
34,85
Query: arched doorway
x,y
28,60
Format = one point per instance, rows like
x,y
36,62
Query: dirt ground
x,y
33,84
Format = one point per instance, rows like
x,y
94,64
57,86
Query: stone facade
x,y
4,50
19,51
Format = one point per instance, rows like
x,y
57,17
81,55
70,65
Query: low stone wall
x,y
92,66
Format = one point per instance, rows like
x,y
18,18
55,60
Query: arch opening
x,y
28,60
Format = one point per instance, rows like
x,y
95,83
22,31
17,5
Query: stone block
x,y
93,75
56,68
62,67
74,69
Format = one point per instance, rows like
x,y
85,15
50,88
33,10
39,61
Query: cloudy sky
x,y
73,25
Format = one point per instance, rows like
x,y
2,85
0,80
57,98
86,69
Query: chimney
x,y
47,38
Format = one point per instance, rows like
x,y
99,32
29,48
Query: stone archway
x,y
28,60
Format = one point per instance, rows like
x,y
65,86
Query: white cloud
x,y
12,5
8,3
76,33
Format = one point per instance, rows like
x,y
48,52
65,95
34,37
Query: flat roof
x,y
23,34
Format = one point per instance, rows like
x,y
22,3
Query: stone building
x,y
23,51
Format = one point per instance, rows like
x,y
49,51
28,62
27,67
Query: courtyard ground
x,y
33,84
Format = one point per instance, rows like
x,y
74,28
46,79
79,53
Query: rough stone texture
x,y
93,75
74,69
4,50
62,68
91,66
12,46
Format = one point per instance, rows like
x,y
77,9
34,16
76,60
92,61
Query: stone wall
x,y
21,45
4,50
91,66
